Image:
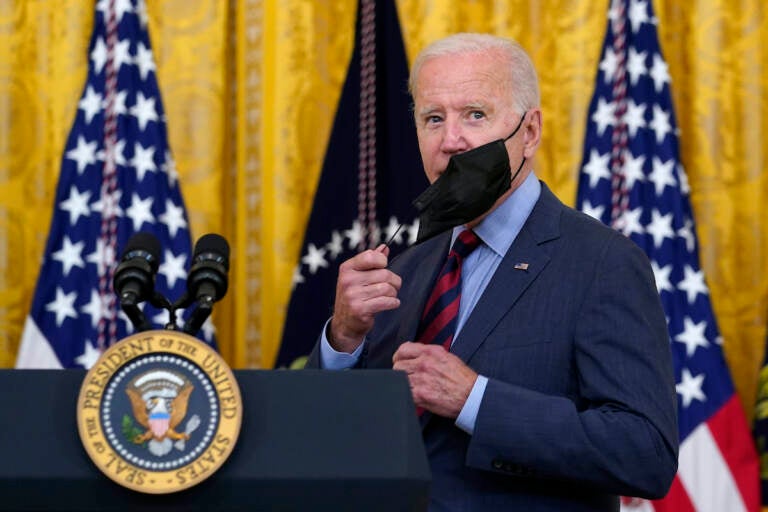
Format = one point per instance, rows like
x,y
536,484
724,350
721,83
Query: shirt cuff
x,y
330,359
468,414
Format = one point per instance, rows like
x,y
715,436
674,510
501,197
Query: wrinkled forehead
x,y
465,78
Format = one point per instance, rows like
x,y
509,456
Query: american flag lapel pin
x,y
521,266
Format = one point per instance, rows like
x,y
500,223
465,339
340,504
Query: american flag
x,y
631,178
117,178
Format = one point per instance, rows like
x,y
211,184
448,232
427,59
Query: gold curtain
x,y
250,89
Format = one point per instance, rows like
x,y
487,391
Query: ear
x,y
531,132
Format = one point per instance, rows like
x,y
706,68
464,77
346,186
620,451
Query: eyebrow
x,y
428,110
476,105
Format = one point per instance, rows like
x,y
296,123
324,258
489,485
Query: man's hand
x,y
365,287
440,381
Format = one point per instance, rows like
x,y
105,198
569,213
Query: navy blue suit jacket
x,y
580,405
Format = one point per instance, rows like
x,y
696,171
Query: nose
x,y
453,139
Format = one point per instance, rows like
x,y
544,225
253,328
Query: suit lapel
x,y
511,278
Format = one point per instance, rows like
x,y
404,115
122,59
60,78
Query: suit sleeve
x,y
621,435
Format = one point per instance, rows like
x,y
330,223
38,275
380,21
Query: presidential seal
x,y
159,412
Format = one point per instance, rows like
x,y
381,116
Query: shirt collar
x,y
500,228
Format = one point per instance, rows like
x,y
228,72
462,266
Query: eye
x,y
477,114
432,119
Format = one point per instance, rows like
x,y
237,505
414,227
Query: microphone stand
x,y
203,309
136,316
159,301
199,315
207,294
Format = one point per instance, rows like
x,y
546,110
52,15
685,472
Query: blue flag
x,y
117,178
631,178
370,176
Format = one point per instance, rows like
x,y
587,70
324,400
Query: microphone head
x,y
210,264
143,245
134,278
212,247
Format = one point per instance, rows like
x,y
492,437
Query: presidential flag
x,y
370,176
117,177
632,179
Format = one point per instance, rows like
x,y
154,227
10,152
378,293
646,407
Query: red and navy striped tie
x,y
438,322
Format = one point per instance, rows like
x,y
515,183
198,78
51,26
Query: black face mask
x,y
470,185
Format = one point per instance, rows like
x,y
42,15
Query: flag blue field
x,y
631,178
371,174
117,177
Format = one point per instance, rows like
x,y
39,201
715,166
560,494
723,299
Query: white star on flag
x,y
633,169
692,336
693,284
314,259
84,154
660,123
630,223
604,115
62,306
635,117
662,277
70,255
593,211
143,160
96,308
689,388
335,246
90,104
661,175
172,267
144,60
88,358
173,218
393,232
636,65
144,110
660,227
355,235
140,211
76,204
597,167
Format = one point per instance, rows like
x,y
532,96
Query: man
x,y
557,392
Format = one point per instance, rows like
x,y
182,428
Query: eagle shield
x,y
159,400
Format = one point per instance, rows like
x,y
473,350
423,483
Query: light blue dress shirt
x,y
497,231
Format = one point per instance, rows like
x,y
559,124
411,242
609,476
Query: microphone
x,y
207,280
134,280
210,263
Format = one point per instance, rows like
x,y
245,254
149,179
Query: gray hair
x,y
524,82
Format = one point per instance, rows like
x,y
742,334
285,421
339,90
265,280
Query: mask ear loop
x,y
512,135
518,126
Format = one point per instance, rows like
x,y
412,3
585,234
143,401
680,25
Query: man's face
x,y
461,102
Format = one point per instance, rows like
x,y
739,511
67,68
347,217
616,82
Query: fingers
x,y
364,288
409,351
440,382
367,260
383,249
381,280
